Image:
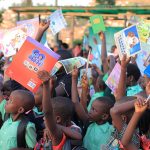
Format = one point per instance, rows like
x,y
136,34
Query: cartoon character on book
x,y
132,40
37,58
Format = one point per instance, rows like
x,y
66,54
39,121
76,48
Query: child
x,y
20,101
121,114
57,112
99,115
140,107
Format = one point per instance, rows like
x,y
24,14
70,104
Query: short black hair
x,y
63,107
64,54
65,45
108,103
133,70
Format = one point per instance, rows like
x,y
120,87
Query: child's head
x,y
127,116
20,101
100,110
6,89
63,109
133,74
100,84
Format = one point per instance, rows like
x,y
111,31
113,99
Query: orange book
x,y
31,58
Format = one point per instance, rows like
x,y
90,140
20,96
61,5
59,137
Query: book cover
x,y
31,58
30,26
128,42
113,79
57,21
97,23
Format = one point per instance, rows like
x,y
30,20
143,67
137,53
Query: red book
x,y
31,58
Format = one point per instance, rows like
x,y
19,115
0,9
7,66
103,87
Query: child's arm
x,y
121,90
104,53
55,132
75,98
71,133
43,26
118,110
140,107
84,94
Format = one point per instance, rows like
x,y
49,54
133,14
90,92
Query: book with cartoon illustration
x,y
144,30
30,26
128,42
12,40
113,79
31,58
69,64
57,21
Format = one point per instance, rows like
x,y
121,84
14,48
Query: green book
x,y
97,24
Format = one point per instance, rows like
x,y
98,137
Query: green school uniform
x,y
8,132
97,135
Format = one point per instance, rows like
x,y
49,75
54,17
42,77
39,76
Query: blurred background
x,y
117,14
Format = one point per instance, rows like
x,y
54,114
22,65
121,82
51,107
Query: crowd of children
x,y
57,118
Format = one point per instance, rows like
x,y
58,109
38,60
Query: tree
x,y
106,2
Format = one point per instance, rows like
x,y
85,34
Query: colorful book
x,y
147,71
30,26
97,23
31,58
143,58
128,42
57,21
69,64
113,79
144,31
12,40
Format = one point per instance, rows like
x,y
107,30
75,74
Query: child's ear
x,y
124,118
58,119
21,110
105,116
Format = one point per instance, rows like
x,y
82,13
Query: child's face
x,y
96,111
12,104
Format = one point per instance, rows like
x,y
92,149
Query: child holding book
x,y
57,113
96,120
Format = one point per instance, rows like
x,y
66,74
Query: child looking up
x,y
20,101
140,107
98,115
57,113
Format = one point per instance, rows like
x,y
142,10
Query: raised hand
x,y
140,105
125,60
75,73
43,76
43,26
102,36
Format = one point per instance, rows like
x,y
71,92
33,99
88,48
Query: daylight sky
x,y
7,3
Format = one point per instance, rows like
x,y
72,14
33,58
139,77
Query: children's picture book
x,y
69,64
57,66
12,40
57,21
30,27
113,79
147,71
144,31
88,72
128,42
97,23
143,58
31,58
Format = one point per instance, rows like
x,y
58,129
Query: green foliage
x,y
106,2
